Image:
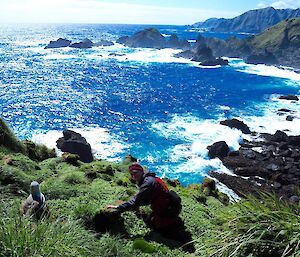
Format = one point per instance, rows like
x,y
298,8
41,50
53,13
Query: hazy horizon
x,y
130,11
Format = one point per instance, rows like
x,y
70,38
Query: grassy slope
x,y
249,228
284,34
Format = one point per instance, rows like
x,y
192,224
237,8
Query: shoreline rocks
x,y
84,44
61,42
273,168
235,123
72,142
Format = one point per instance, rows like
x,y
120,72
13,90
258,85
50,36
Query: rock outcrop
x,y
279,44
86,43
152,38
73,142
219,149
175,43
289,97
274,168
262,57
235,123
61,42
147,38
205,56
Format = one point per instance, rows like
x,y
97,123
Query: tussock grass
x,y
264,226
8,139
21,237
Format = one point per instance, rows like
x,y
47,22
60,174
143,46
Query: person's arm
x,y
143,197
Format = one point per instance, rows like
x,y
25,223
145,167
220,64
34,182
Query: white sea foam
x,y
104,145
153,55
224,107
264,70
166,35
196,134
272,120
210,67
224,189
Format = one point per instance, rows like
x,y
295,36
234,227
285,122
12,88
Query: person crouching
x,y
164,217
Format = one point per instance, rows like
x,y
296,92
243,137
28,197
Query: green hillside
x,y
285,34
76,192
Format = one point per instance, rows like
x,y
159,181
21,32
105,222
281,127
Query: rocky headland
x,y
152,38
253,21
278,45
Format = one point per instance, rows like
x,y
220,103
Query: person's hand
x,y
111,207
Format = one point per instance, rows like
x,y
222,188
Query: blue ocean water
x,y
161,109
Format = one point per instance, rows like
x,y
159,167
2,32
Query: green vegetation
x,y
284,34
76,193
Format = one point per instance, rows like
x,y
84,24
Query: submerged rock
x,y
73,142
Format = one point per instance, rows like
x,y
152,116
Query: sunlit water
x,y
161,109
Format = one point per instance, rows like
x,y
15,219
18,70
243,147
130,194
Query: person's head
x,y
35,190
136,172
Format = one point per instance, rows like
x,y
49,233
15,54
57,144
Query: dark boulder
x,y
279,136
219,149
74,143
235,123
61,42
289,97
284,110
289,118
86,43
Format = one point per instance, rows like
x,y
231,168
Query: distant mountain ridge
x,y
279,44
253,21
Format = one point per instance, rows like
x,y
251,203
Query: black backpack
x,y
174,208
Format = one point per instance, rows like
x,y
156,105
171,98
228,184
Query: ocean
x,y
163,110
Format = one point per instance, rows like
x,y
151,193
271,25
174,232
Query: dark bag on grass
x,y
175,206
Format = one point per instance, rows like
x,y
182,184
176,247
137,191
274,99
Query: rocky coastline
x,y
84,44
267,163
278,45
